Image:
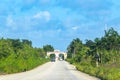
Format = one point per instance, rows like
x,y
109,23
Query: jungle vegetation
x,y
18,55
99,57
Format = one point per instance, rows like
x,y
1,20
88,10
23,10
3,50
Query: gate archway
x,y
61,56
57,54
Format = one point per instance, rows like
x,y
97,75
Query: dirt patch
x,y
2,73
113,65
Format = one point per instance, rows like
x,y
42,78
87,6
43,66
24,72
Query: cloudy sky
x,y
57,22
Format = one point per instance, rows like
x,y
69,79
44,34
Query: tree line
x,y
18,55
100,52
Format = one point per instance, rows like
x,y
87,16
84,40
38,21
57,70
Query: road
x,y
59,70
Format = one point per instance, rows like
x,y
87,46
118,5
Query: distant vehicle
x,y
53,60
52,57
61,59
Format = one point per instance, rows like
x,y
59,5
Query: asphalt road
x,y
59,70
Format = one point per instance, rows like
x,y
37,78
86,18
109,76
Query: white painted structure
x,y
57,53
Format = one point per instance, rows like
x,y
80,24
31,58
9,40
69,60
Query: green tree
x,y
5,48
74,47
24,41
48,48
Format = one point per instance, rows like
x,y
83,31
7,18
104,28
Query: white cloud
x,y
45,15
75,27
59,30
10,23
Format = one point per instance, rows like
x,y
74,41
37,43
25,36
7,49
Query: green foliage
x,y
5,48
24,41
74,47
19,55
52,56
48,48
102,72
93,56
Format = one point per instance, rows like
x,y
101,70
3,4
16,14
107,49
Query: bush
x,y
19,64
102,72
19,55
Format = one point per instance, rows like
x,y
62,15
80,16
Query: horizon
x,y
56,23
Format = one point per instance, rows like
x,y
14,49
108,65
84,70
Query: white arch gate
x,y
57,53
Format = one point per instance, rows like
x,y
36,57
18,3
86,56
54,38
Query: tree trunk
x,y
97,64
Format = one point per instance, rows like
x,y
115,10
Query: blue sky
x,y
57,22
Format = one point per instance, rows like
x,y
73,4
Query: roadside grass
x,y
104,72
13,65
